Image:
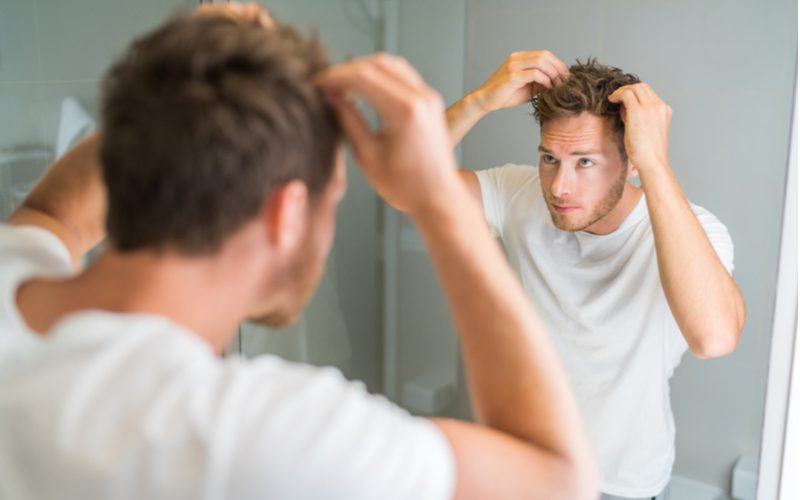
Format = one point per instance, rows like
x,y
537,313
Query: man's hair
x,y
202,119
587,89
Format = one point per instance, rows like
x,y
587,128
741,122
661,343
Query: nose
x,y
564,183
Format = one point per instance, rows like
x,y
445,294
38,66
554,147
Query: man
x,y
222,170
626,277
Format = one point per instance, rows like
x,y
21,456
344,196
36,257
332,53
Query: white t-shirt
x,y
602,300
121,406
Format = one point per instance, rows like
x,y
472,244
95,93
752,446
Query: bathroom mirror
x,y
726,67
727,70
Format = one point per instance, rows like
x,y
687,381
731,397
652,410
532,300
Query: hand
x,y
522,76
244,13
408,162
646,119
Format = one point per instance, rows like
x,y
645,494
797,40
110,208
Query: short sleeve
x,y
39,247
305,432
498,187
718,235
26,252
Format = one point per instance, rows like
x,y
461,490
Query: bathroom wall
x,y
50,50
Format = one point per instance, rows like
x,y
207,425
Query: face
x,y
301,276
581,171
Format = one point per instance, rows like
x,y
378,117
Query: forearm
x,y
462,116
69,200
702,296
516,382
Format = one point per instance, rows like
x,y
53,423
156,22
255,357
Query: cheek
x,y
599,181
546,176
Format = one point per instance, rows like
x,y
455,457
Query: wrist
x,y
443,203
654,173
477,103
652,165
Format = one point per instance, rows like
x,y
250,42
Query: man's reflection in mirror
x,y
627,277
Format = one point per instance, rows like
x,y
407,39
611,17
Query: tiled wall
x,y
51,50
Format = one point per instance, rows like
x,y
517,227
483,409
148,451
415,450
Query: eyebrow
x,y
573,153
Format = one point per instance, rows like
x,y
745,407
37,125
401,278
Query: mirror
x,y
725,67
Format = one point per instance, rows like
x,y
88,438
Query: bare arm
x,y
704,299
521,76
69,200
530,443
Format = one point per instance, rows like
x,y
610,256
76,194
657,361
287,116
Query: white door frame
x,y
778,467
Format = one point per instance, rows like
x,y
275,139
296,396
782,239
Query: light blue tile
x,y
79,39
19,57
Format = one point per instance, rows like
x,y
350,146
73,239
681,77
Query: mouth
x,y
564,209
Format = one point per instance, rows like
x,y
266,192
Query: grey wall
x,y
50,50
726,68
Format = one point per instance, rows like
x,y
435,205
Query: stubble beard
x,y
301,277
600,210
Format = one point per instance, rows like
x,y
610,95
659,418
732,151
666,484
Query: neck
x,y
614,219
192,292
204,294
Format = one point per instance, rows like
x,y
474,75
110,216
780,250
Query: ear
x,y
286,214
633,172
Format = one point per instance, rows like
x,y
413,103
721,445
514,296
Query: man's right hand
x,y
516,81
408,161
519,78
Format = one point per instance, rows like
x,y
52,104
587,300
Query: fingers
x,y
355,128
391,87
400,69
543,60
643,93
244,13
537,76
627,97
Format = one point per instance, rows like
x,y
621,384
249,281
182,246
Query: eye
x,y
549,159
585,162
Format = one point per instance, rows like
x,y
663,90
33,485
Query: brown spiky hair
x,y
587,89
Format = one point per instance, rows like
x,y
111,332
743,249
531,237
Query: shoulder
x,y
27,252
308,418
34,245
708,220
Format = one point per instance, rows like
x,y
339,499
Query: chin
x,y
276,319
566,224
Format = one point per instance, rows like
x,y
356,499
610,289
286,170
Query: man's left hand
x,y
646,119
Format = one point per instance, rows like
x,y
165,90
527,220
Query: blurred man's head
x,y
211,123
583,166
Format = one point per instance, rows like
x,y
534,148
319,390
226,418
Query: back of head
x,y
587,89
202,119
